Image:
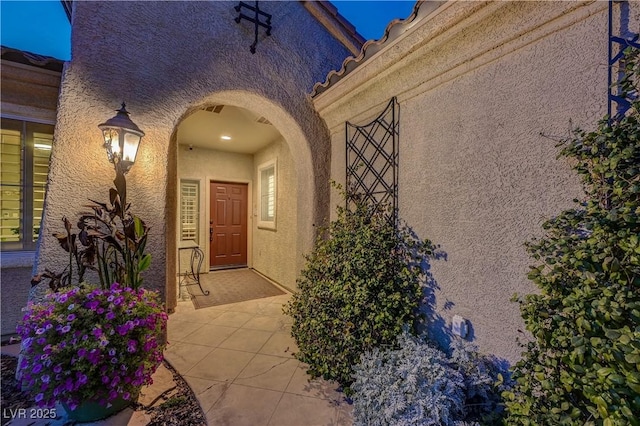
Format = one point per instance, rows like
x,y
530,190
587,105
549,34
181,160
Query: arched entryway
x,y
239,154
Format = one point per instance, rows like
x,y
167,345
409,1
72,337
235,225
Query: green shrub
x,y
362,283
584,365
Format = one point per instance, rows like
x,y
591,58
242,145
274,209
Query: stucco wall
x,y
165,60
478,84
273,253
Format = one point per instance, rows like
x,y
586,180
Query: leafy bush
x,y
418,384
584,365
362,282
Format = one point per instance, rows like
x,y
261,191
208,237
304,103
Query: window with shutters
x,y
189,208
267,195
25,149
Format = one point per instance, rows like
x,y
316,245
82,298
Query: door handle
x,y
210,231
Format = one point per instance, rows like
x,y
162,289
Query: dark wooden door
x,y
228,224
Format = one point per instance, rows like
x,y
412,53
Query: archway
x,y
285,148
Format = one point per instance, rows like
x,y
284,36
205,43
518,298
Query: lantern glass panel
x,y
131,141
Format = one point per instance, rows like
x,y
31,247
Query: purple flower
x,y
118,300
71,317
105,379
40,331
94,356
39,397
110,315
45,378
65,329
97,332
57,369
100,311
71,307
82,379
131,346
92,305
37,367
112,352
82,352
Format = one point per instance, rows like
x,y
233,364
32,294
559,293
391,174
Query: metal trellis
x,y
618,42
372,160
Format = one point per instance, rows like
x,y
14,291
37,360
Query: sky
x,y
42,27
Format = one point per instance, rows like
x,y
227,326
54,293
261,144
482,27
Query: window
x,y
189,195
267,195
25,149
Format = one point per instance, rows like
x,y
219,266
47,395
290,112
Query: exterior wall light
x,y
121,139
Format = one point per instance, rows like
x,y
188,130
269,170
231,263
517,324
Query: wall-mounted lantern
x,y
121,139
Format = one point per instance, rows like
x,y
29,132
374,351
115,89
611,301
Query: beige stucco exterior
x,y
165,70
30,85
484,91
271,253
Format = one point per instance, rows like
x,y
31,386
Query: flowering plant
x,y
89,343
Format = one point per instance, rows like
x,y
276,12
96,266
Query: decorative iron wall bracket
x,y
372,160
257,14
617,46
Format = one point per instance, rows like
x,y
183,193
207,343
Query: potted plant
x,y
92,347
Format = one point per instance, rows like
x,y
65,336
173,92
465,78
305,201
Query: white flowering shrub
x,y
419,384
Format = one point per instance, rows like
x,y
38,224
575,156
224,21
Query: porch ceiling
x,y
249,132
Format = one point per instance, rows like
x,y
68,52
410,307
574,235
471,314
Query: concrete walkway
x,y
238,359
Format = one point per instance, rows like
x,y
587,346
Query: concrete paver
x,y
272,388
238,360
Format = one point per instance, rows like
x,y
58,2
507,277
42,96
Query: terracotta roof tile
x,y
395,28
28,58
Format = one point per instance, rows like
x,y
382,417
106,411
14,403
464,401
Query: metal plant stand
x,y
192,275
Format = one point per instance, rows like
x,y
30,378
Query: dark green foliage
x,y
110,241
363,281
584,365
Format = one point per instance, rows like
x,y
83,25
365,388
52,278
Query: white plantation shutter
x,y
267,196
189,192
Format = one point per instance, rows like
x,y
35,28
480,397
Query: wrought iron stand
x,y
192,275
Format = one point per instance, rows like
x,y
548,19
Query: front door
x,y
228,225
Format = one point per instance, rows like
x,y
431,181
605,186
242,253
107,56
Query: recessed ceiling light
x,y
225,138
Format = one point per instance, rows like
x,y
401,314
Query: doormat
x,y
232,286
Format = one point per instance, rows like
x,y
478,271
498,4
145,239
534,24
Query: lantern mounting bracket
x,y
258,14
